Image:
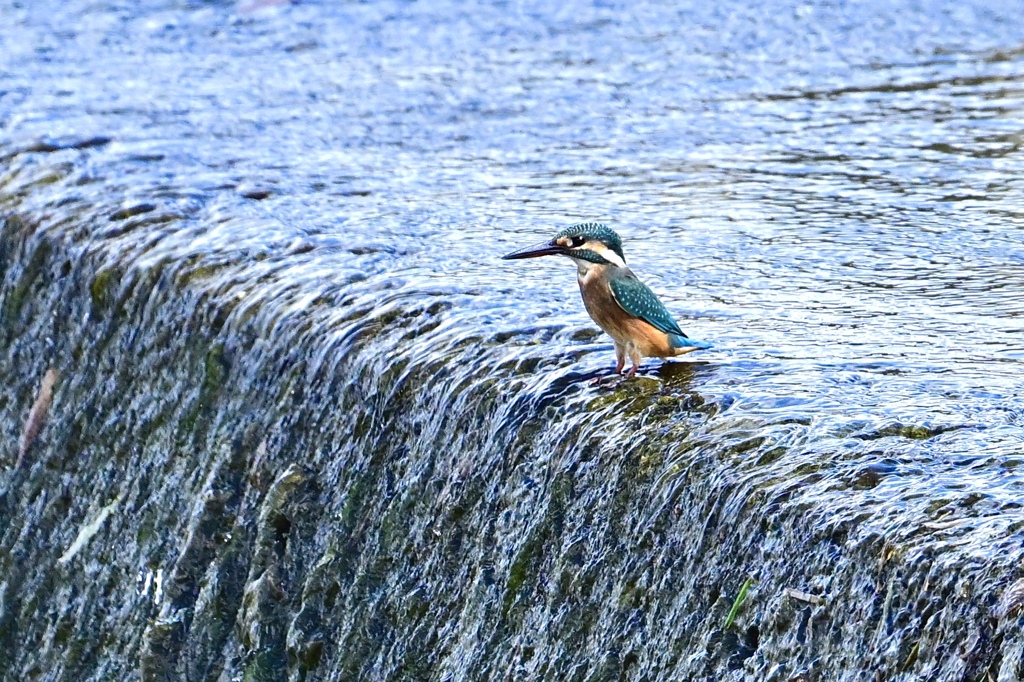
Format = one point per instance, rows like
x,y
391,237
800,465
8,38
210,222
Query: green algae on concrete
x,y
301,516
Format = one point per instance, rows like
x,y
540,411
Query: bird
x,y
623,306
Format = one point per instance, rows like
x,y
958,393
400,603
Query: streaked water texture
x,y
332,436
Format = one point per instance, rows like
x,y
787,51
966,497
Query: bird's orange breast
x,y
624,328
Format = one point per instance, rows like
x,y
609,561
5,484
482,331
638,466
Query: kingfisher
x,y
618,302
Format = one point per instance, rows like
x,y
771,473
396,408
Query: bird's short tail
x,y
685,344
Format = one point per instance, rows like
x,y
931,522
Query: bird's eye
x,y
577,241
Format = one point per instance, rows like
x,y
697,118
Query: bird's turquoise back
x,y
637,299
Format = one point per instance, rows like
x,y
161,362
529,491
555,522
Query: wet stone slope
x,y
274,409
218,492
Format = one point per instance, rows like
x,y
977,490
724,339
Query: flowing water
x,y
260,242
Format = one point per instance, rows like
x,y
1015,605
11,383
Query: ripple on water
x,y
837,209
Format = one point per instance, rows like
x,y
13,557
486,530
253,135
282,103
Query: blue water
x,y
831,193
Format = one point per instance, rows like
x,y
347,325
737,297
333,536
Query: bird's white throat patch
x,y
583,267
586,270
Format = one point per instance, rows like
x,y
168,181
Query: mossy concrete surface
x,y
220,489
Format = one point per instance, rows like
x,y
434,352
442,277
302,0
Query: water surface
x,y
830,193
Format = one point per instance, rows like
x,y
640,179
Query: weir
x,y
325,486
269,418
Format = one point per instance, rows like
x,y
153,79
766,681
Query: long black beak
x,y
542,249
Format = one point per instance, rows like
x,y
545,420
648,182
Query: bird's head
x,y
591,242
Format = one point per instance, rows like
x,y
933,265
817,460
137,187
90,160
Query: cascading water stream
x,y
305,424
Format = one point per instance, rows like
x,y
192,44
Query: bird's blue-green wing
x,y
639,301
